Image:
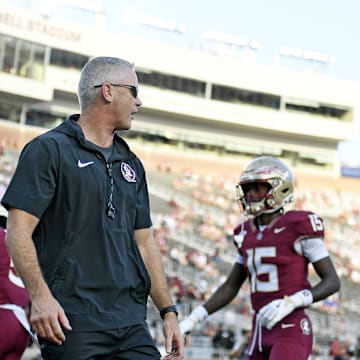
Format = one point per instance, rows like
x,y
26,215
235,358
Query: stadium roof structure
x,y
189,96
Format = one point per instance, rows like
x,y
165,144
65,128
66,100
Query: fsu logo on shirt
x,y
127,172
305,326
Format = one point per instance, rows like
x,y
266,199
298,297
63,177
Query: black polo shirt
x,y
88,255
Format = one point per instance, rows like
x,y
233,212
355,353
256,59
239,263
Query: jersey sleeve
x,y
310,234
143,217
314,249
34,181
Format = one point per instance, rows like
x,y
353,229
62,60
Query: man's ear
x,y
107,92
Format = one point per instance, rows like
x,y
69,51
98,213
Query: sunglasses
x,y
133,89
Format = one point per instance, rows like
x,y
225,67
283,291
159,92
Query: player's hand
x,y
197,315
48,318
270,314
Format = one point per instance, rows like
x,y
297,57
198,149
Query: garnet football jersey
x,y
11,287
274,267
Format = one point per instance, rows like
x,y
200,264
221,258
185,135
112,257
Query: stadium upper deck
x,y
190,97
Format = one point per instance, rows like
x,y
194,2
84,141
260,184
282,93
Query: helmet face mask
x,y
265,199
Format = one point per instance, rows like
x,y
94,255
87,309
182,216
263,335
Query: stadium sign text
x,y
40,27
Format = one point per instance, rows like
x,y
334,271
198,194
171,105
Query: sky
x,y
330,28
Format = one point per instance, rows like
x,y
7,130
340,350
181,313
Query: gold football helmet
x,y
278,192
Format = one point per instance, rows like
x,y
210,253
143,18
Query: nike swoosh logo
x,y
85,164
285,326
279,230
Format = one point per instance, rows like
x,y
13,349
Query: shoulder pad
x,y
305,223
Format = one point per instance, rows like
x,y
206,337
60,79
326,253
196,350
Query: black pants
x,y
130,343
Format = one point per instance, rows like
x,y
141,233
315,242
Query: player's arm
x,y
47,316
329,283
159,292
228,290
220,298
314,249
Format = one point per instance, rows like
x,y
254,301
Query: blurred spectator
x,y
357,349
224,338
2,147
240,349
336,350
209,329
348,350
176,287
192,292
216,256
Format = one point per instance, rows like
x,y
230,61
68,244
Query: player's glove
x,y
197,315
270,314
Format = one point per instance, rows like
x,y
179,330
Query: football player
x,y
14,325
274,250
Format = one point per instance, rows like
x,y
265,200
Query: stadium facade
x,y
189,97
